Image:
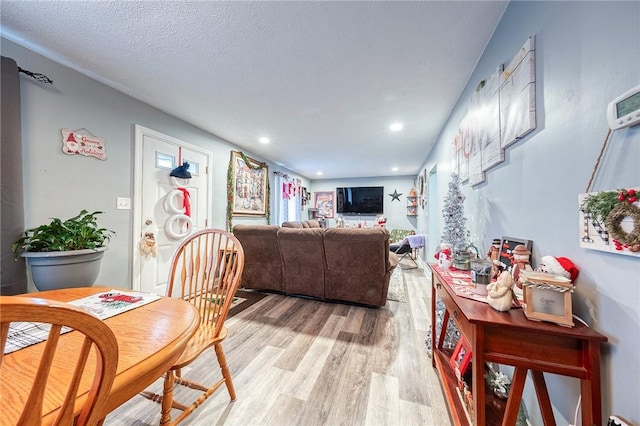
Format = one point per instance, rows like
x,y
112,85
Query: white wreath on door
x,y
185,227
172,207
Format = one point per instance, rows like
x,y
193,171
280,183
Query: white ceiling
x,y
322,80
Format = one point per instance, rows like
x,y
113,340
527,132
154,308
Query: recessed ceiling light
x,y
319,173
263,140
395,169
396,127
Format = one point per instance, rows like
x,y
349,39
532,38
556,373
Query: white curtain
x,y
298,199
281,204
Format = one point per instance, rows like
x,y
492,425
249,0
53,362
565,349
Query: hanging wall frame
x,y
610,221
83,142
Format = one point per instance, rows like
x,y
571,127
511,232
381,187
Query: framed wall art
x,y
249,186
609,221
305,196
324,202
501,111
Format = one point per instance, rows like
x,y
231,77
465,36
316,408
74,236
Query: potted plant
x,y
64,253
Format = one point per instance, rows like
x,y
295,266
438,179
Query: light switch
x,y
123,203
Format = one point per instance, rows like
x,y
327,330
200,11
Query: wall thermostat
x,y
624,110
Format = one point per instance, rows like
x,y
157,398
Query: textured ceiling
x,y
322,80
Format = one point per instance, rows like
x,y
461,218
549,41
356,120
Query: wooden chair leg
x,y
222,360
167,398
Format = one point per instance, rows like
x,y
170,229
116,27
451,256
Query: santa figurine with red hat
x,y
558,266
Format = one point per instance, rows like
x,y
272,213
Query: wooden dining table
x,y
150,339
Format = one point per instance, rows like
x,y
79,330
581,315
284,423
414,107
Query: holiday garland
x,y
546,286
230,194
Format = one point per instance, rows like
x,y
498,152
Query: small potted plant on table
x,y
64,253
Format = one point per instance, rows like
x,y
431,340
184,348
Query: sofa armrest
x,y
393,261
262,259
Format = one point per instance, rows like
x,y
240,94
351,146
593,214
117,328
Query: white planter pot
x,y
63,269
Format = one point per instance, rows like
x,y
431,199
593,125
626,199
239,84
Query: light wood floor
x,y
297,361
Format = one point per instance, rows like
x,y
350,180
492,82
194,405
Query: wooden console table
x,y
510,338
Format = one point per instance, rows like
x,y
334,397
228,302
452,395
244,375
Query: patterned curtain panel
x,y
13,277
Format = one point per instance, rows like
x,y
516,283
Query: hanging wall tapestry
x,y
502,110
610,221
247,187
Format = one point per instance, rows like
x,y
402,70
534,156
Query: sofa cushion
x,y
303,261
357,264
292,225
312,223
263,263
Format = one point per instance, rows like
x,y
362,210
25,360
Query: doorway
x,y
166,208
433,217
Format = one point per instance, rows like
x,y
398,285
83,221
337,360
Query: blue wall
x,y
587,53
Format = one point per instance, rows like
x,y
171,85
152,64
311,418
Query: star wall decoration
x,y
395,195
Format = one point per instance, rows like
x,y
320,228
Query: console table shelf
x,y
510,338
494,407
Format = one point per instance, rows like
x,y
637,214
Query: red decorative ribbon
x,y
186,203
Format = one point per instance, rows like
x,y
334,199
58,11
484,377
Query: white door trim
x,y
140,132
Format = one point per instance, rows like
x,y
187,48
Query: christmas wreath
x,y
613,222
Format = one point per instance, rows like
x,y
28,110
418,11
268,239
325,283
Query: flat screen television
x,y
360,200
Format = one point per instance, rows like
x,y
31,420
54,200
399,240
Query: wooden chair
x,y
58,353
206,271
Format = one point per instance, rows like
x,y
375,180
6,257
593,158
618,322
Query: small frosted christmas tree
x,y
455,232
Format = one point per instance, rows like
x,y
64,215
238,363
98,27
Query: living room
x,y
581,63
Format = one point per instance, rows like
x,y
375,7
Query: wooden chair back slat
x,y
103,360
206,271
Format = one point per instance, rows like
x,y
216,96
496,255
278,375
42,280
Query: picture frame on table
x,y
324,202
547,297
249,183
460,358
507,246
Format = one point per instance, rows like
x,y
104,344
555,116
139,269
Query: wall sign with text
x,y
84,143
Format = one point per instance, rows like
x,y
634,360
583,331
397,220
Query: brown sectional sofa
x,y
342,264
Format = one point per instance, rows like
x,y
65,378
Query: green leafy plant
x,y
600,204
78,233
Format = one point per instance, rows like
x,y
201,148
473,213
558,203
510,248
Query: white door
x,y
159,203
